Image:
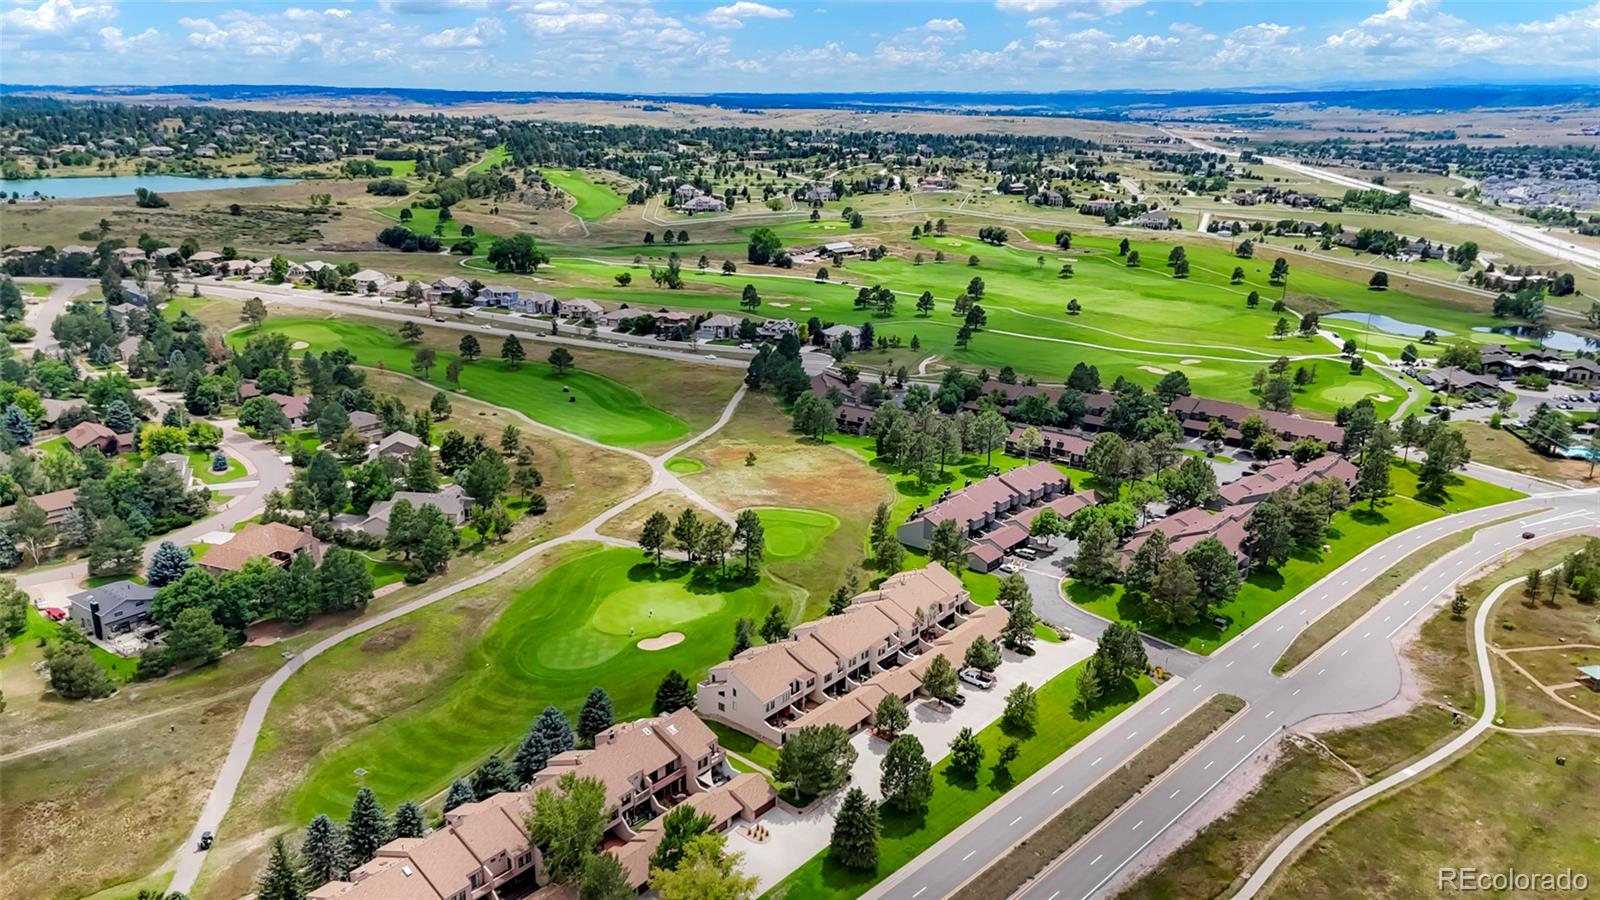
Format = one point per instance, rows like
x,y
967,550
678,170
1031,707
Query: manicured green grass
x,y
577,627
496,156
422,221
736,741
795,533
36,289
594,201
1462,494
579,402
958,797
39,628
385,571
1353,531
682,465
200,462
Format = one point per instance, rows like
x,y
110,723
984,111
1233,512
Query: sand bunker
x,y
670,639
1191,361
1381,398
778,303
299,345
1153,370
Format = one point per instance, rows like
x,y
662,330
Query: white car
x,y
487,327
1009,568
711,356
977,678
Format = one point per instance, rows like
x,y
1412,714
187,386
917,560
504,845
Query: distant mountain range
x,y
1093,104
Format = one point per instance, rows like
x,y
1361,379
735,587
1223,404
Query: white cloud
x,y
946,26
481,33
57,17
734,14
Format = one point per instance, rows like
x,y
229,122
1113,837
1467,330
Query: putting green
x,y
591,200
794,533
579,402
554,641
682,465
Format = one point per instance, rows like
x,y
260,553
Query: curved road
x,y
1357,670
191,859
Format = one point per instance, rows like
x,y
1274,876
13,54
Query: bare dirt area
x,y
628,523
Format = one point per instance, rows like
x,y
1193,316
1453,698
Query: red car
x,y
54,614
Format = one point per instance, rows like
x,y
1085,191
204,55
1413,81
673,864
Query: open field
x,y
1352,531
591,200
1496,447
580,402
958,797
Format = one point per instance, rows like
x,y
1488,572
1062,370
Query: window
x,y
474,879
721,708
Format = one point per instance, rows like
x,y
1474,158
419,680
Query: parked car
x,y
205,840
977,678
1009,568
957,700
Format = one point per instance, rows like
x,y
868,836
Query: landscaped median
x,y
1062,724
1055,837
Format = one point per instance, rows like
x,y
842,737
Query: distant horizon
x,y
700,46
1453,95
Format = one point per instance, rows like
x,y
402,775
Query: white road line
x,y
1297,692
1136,825
1055,895
1095,860
1131,735
1209,765
1270,714
1167,710
968,856
1320,671
1096,761
1229,665
1279,628
1345,652
1256,644
1367,635
919,892
1057,790
1388,617
1175,793
1238,739
1196,688
1015,821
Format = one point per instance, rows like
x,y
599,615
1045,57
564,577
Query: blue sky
x,y
647,45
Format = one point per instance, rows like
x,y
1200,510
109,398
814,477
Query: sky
x,y
628,46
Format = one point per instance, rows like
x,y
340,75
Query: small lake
x,y
117,185
1384,323
1565,341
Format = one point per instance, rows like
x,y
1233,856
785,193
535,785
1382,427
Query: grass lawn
x,y
682,465
958,797
795,533
540,652
594,201
200,461
40,628
423,221
736,741
36,289
495,157
580,402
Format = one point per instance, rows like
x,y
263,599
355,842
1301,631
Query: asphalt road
x,y
1358,670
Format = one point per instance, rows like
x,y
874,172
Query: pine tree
x,y
493,777
167,564
596,716
744,631
322,852
281,879
555,730
511,351
460,792
855,832
367,829
408,820
673,694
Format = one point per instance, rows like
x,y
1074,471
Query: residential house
x,y
818,193
983,511
685,192
1159,220
56,504
451,500
580,310
398,445
720,327
272,540
776,329
1195,415
1060,445
446,289
84,435
180,464
495,295
129,255
134,295
236,267
294,408
534,303
1283,473
368,281
835,670
1191,526
854,419
55,409
834,335
111,609
366,424
701,204
1452,380
1097,207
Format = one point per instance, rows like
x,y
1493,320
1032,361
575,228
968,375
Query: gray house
x,y
112,608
